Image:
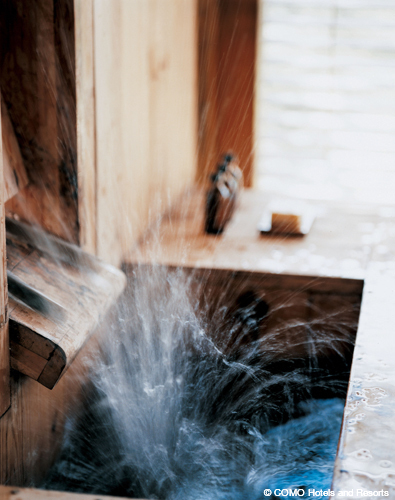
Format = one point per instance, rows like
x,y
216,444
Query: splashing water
x,y
172,412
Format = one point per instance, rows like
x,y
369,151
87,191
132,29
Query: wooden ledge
x,y
58,295
10,493
366,457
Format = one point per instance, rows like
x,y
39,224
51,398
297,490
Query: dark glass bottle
x,y
222,197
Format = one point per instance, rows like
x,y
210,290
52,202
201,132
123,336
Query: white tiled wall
x,y
327,99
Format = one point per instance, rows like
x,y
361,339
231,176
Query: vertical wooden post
x,y
37,84
4,342
227,61
208,99
86,145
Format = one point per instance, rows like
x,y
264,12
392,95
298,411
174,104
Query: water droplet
x,y
362,454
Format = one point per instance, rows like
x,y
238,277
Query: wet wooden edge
x,y
10,493
366,451
60,294
318,284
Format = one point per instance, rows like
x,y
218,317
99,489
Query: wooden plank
x,y
31,432
4,339
146,105
237,46
58,297
66,117
4,368
15,176
366,457
26,361
37,59
208,147
12,493
335,248
86,146
268,281
227,56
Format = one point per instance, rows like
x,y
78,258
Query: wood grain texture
x,y
146,114
37,83
227,58
4,369
4,341
15,176
208,86
9,493
86,146
59,295
300,308
31,432
366,456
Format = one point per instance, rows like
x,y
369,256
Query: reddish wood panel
x,y
208,23
15,176
37,81
227,58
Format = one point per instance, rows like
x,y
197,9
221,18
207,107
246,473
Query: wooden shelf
x,y
58,295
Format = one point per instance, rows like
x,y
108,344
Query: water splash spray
x,y
173,412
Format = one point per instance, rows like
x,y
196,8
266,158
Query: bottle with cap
x,y
223,195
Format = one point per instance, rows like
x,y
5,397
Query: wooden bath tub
x,y
327,274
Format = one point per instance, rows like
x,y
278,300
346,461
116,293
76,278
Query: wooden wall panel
x,y
208,60
132,114
227,56
122,119
146,116
31,431
37,83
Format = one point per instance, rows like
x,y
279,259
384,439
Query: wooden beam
x,y
4,349
145,96
37,82
86,143
58,295
208,54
